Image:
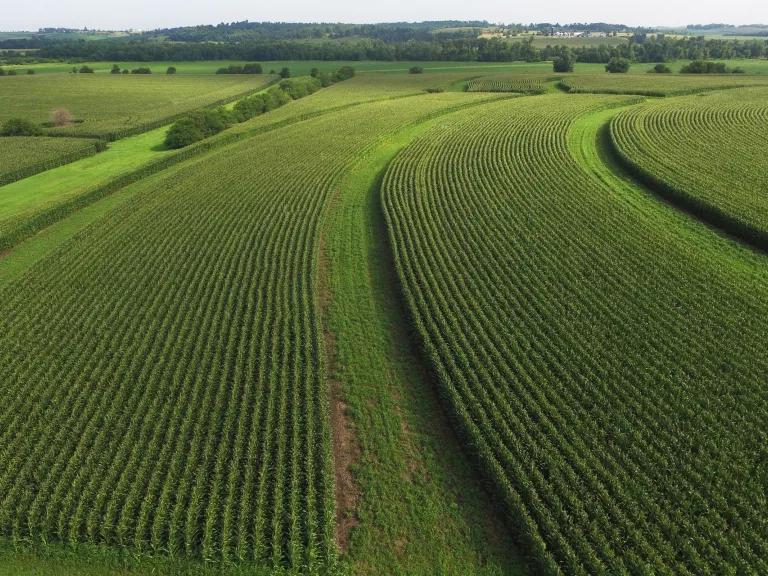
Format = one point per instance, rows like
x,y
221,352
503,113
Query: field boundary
x,y
699,209
89,149
21,228
371,262
147,126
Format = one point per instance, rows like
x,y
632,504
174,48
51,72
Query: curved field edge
x,y
590,145
15,230
581,558
696,206
419,508
123,235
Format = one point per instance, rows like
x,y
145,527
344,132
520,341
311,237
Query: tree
x,y
115,69
184,132
141,70
662,69
704,67
61,117
30,71
315,72
563,62
617,65
285,72
252,68
126,71
344,73
20,127
85,69
171,70
415,70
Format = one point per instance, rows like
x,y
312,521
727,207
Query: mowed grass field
x,y
113,106
387,330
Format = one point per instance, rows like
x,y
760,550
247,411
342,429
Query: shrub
x,y
126,71
250,107
230,70
704,67
171,70
61,117
20,127
141,70
415,70
30,71
252,68
85,69
184,132
662,69
198,125
299,87
285,72
617,65
115,69
344,73
315,72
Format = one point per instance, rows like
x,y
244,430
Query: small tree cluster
x,y
662,69
198,125
171,70
141,70
564,61
617,65
202,124
415,70
85,69
20,127
251,68
706,67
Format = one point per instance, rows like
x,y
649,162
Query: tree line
x,y
639,48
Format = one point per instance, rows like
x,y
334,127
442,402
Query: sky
x,y
150,14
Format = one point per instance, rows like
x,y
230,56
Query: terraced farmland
x,y
22,156
603,355
706,152
113,106
654,84
163,373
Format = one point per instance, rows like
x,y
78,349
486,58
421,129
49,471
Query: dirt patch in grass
x,y
346,448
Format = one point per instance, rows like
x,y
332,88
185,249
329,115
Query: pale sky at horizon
x,y
149,14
